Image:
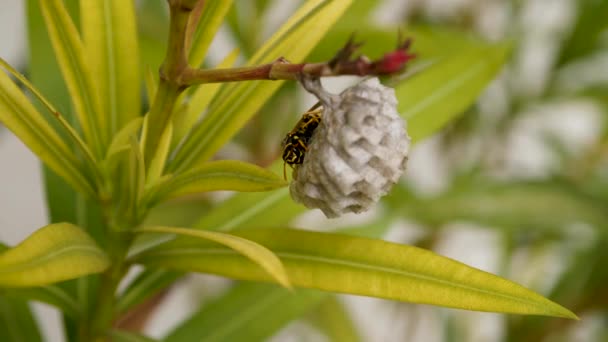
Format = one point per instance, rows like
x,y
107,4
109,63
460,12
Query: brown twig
x,y
281,69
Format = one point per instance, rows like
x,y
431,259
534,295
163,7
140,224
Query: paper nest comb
x,y
356,154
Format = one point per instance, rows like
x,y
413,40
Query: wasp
x,y
296,141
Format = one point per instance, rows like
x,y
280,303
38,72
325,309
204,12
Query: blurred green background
x,y
517,186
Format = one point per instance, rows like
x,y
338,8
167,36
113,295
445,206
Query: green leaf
x,y
128,336
20,116
17,323
588,30
54,253
199,101
436,95
216,175
243,210
429,42
340,263
64,204
538,205
132,183
151,82
157,164
147,282
259,255
110,39
72,134
240,101
50,294
70,53
247,312
212,17
271,209
121,140
251,210
332,318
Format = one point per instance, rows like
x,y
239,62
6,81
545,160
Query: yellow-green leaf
x,y
247,312
157,164
20,116
256,253
213,176
56,252
110,38
444,90
151,82
539,206
199,101
89,159
214,12
362,266
251,210
50,294
240,101
151,280
76,72
120,141
334,319
17,322
134,181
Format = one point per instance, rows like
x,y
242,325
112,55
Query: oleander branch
x,y
281,69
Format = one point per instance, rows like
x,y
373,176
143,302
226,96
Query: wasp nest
x,y
356,154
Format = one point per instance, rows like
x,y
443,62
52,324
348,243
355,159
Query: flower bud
x,y
356,154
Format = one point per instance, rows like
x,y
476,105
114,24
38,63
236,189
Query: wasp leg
x,y
303,145
284,171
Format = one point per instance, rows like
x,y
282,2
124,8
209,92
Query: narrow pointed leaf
x,y
248,312
243,210
157,164
20,116
333,319
54,253
217,175
444,90
294,40
257,254
64,204
361,266
213,15
525,205
120,141
151,82
90,160
52,295
17,322
270,209
199,101
133,181
110,40
71,58
148,282
252,210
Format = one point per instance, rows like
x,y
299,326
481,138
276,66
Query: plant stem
x,y
170,85
103,317
95,327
